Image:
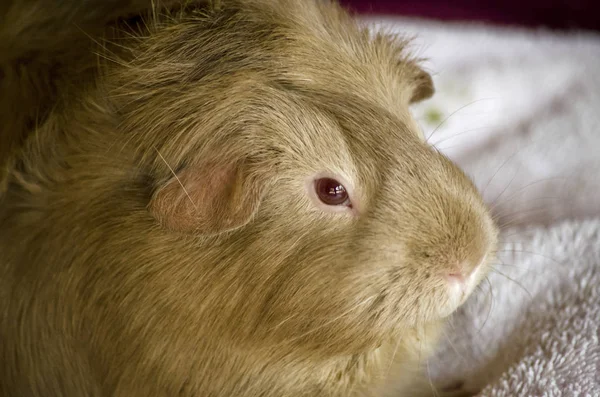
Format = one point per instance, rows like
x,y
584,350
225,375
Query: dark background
x,y
554,14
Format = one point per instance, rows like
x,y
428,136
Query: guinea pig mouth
x,y
458,289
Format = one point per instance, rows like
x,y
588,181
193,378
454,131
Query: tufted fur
x,y
122,274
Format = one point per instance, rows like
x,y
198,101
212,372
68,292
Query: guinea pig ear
x,y
208,198
422,84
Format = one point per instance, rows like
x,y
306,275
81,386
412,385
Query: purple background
x,y
555,14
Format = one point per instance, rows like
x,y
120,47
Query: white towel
x,y
537,333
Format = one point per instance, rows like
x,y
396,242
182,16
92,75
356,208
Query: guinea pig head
x,y
298,203
333,226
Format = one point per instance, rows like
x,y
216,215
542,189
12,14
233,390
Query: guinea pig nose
x,y
460,272
456,276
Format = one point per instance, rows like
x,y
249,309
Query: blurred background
x,y
553,14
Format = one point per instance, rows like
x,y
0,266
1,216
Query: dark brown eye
x,y
331,192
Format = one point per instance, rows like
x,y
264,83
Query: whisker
x,y
514,217
451,323
490,306
516,221
507,224
516,193
433,388
452,147
455,135
452,114
505,238
530,200
526,269
505,214
495,200
177,178
502,216
514,281
532,253
387,374
498,170
505,241
453,346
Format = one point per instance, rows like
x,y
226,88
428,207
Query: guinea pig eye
x,y
331,192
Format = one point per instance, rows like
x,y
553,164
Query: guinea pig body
x,y
236,202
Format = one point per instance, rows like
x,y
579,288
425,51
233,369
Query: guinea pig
x,y
234,200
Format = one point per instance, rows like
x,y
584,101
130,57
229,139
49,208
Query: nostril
x,y
456,276
461,272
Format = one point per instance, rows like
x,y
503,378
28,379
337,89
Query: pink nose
x,y
461,272
457,277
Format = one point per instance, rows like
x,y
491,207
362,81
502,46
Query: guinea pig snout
x,y
461,279
461,272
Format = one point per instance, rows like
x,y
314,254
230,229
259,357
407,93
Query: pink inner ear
x,y
207,199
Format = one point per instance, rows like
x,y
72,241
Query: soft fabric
x,y
520,112
536,331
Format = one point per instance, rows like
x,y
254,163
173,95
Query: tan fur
x,y
122,275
